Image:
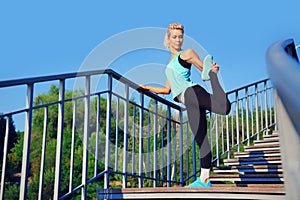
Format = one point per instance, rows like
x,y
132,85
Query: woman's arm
x,y
158,90
191,56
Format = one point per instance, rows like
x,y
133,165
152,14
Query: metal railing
x,y
119,135
284,69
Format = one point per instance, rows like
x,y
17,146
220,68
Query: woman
x,y
195,98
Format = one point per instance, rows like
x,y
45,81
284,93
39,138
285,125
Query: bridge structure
x,y
104,137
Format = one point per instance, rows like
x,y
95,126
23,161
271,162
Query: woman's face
x,y
176,39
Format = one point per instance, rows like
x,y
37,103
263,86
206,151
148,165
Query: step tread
x,y
249,159
267,153
262,146
266,140
269,175
250,167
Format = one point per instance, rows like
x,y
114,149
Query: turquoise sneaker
x,y
198,183
207,62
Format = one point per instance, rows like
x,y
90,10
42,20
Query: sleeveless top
x,y
178,76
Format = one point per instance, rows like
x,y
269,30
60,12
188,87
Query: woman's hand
x,y
215,67
144,87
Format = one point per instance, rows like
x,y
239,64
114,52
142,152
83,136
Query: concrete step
x,y
224,191
249,169
250,178
263,147
253,161
274,135
267,141
253,154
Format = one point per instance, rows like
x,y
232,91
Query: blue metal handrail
x,y
284,69
174,157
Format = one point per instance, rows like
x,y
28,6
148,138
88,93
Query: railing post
x,y
256,114
181,147
169,147
72,146
26,143
86,136
98,123
237,121
108,127
155,159
4,158
126,135
266,105
59,140
217,140
41,183
247,117
141,140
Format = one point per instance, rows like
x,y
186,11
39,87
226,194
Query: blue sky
x,y
52,37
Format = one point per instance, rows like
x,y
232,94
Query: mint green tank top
x,y
178,76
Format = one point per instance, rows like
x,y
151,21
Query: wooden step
x,y
253,161
249,169
214,192
247,154
274,135
253,178
267,141
263,147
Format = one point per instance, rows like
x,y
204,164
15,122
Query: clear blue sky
x,y
52,37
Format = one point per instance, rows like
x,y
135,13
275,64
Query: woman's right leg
x,y
219,102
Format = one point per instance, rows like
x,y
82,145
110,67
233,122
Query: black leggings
x,y
197,101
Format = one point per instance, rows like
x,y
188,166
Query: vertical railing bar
x,y
232,131
181,148
227,136
149,144
4,158
169,147
257,114
210,131
237,121
242,121
186,150
162,149
261,111
98,120
266,105
217,140
247,117
73,145
141,140
41,183
117,135
193,156
155,124
86,134
107,131
155,159
26,143
222,132
126,135
270,107
252,116
133,140
59,140
175,152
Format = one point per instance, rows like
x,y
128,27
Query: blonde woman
x,y
195,98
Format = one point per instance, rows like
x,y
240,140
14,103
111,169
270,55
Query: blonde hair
x,y
171,27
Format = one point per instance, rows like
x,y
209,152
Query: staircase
x,y
255,173
258,166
